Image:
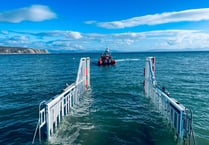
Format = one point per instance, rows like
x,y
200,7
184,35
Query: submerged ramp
x,y
178,116
51,112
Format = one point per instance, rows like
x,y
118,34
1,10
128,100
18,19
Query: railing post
x,y
59,106
175,112
40,120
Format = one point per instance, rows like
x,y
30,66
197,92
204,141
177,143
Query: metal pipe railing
x,y
176,113
59,106
38,124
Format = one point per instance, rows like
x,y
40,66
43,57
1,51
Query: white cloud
x,y
194,40
131,41
16,40
73,34
4,32
191,15
58,33
34,13
64,45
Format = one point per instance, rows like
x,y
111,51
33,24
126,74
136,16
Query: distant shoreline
x,y
21,50
8,50
116,52
23,53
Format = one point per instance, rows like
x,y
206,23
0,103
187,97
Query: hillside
x,y
21,50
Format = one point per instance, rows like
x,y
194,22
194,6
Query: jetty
x,y
52,111
178,116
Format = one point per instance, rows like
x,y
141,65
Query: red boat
x,y
106,58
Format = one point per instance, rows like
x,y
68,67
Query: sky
x,y
93,25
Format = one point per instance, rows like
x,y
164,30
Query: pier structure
x,y
178,116
52,111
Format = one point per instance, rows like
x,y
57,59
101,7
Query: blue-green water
x,y
115,110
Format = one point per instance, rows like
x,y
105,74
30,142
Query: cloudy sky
x,y
92,25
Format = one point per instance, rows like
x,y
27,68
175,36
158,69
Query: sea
x,y
115,110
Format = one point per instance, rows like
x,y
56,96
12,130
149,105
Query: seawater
x,y
114,111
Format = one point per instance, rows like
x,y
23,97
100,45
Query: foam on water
x,y
76,121
127,59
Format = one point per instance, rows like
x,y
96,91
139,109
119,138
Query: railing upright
x,y
57,107
176,114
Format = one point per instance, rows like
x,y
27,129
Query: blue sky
x,y
92,25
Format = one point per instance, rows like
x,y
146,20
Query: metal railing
x,y
51,112
178,116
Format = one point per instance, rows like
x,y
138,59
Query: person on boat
x,y
106,58
107,50
107,53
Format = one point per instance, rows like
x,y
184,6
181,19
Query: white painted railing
x,y
51,112
177,115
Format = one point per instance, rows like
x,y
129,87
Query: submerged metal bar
x,y
176,114
41,121
39,125
53,111
34,135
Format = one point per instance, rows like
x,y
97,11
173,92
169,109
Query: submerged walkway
x,y
53,111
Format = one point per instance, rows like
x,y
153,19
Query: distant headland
x,y
21,50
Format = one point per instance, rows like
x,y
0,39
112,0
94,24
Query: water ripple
x,y
115,111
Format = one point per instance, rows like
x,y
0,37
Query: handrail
x,y
38,124
50,115
191,131
182,123
35,132
39,120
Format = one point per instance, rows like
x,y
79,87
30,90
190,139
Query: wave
x,y
78,120
127,59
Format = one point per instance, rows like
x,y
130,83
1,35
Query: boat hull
x,y
106,62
